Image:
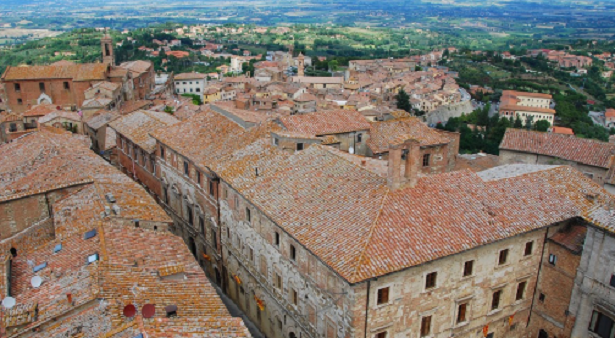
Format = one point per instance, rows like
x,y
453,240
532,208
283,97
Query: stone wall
x,y
592,290
511,156
254,262
445,112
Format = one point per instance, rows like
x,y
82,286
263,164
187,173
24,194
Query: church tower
x,y
106,44
300,64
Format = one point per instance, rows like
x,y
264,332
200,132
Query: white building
x,y
190,83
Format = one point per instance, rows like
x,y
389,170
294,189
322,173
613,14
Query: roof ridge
x,y
369,237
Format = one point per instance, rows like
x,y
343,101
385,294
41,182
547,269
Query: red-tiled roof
x,y
326,122
562,130
585,151
382,134
76,72
137,125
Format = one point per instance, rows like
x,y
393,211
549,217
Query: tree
x,y
518,124
403,100
528,122
542,125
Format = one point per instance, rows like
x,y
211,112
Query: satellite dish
x,y
36,281
8,302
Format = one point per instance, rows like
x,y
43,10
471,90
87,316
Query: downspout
x,y
542,256
367,306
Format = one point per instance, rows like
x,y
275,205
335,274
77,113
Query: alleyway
x,y
236,312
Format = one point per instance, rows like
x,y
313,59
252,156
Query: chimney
x,y
412,150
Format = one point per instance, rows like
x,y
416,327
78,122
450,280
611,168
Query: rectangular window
x,y
277,239
294,296
425,326
383,296
214,238
19,101
17,87
198,177
602,325
426,160
186,169
248,215
541,297
299,146
503,257
293,253
495,300
612,282
66,85
251,255
461,312
162,152
467,268
202,224
528,248
520,291
381,335
211,189
278,281
430,280
190,215
552,259
41,86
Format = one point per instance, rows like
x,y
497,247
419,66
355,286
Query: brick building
x,y
86,252
63,85
135,147
438,148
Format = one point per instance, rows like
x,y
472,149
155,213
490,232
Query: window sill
x,y
494,312
430,290
462,324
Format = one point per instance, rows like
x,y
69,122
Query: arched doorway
x,y
292,335
543,334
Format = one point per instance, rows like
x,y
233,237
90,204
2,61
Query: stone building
x,y
86,252
280,232
593,158
135,147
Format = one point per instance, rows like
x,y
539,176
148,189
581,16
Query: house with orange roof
x,y
534,106
609,118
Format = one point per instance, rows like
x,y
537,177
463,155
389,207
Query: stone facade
x,y
599,175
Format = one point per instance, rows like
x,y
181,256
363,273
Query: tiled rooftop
x,y
382,134
131,265
585,151
326,122
137,126
76,72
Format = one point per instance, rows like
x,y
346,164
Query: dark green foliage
x,y
403,100
542,125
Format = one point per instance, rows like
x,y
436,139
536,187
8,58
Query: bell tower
x,y
300,64
106,44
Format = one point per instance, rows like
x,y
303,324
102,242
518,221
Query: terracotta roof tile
x,y
382,134
326,122
137,125
585,151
